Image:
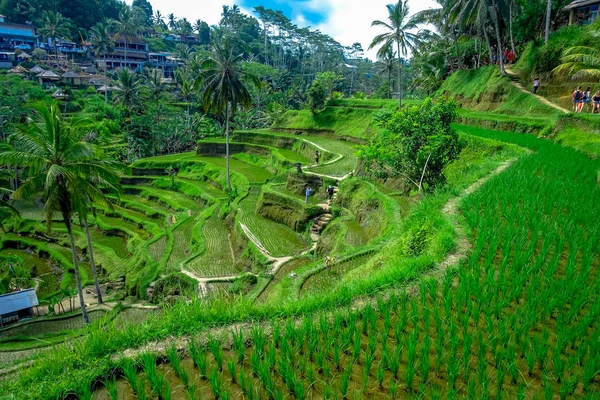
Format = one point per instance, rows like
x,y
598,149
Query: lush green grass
x,y
343,121
485,89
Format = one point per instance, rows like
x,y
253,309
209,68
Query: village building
x,y
16,36
583,12
72,78
17,305
48,78
164,62
129,51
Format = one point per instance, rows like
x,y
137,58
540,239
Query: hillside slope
x,y
485,89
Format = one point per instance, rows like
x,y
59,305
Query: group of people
x,y
330,191
508,57
584,99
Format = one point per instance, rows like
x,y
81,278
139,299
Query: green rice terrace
x,y
483,286
296,232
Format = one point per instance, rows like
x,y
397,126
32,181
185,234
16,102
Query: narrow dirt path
x,y
518,85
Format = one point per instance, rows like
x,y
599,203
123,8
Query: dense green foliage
x,y
417,143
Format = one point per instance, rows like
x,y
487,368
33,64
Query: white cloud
x,y
347,21
350,20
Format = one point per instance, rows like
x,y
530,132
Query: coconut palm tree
x,y
103,44
129,90
59,167
398,27
6,209
126,25
386,65
172,24
224,87
156,88
54,26
580,62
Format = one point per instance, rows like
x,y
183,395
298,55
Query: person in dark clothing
x,y
576,98
317,156
330,192
536,85
596,100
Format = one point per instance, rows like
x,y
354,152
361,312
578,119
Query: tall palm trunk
x,y
67,219
91,251
389,83
488,44
399,77
510,27
498,37
227,147
548,15
105,74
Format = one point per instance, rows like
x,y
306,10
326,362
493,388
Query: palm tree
x,y
60,167
158,18
103,44
156,89
125,26
386,65
580,62
128,94
54,26
224,88
6,209
84,205
548,15
398,34
172,24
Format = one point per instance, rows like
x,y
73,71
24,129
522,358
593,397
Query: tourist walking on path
x,y
585,99
330,192
308,192
576,98
511,57
536,85
596,100
317,156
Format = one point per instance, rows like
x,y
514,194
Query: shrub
x,y
414,140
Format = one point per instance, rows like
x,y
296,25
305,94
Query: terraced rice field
x,y
48,281
254,174
157,249
278,239
124,225
346,149
328,277
355,234
117,243
182,236
216,259
282,280
172,199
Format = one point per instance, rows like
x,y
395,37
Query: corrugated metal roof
x,y
12,302
581,3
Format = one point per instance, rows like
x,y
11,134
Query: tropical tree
x,y
386,65
103,44
580,62
156,89
398,34
126,25
61,168
224,88
54,26
172,24
129,90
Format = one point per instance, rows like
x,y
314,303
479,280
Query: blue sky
x,y
293,9
347,21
